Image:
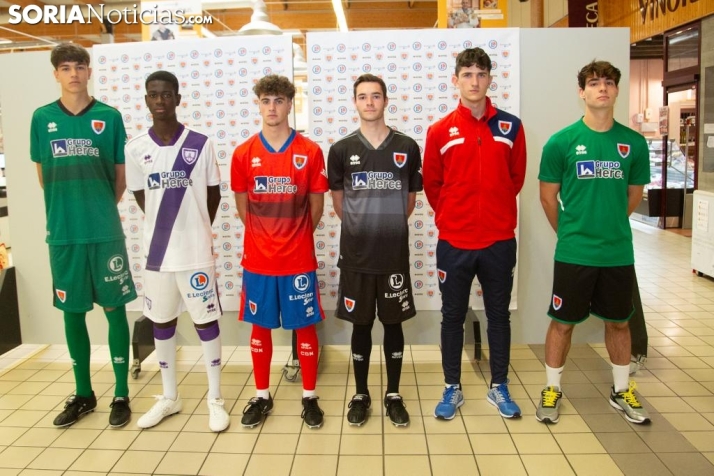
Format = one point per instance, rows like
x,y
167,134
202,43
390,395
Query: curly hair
x,y
598,69
274,85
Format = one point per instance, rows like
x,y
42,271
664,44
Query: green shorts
x,y
89,273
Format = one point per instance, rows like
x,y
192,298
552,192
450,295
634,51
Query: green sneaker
x,y
548,406
627,402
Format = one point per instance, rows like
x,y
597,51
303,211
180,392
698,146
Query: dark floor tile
x,y
616,443
604,423
581,390
667,442
687,464
588,406
596,363
640,465
658,423
599,376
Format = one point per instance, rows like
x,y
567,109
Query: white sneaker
x,y
218,419
162,408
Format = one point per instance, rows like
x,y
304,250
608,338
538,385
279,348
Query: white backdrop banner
x,y
417,66
216,77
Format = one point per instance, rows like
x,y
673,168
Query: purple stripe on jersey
x,y
164,333
171,202
160,143
208,334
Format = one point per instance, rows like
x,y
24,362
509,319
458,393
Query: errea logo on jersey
x,y
454,131
580,150
52,127
255,162
354,160
270,184
73,147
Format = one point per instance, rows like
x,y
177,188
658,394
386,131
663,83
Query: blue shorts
x,y
267,299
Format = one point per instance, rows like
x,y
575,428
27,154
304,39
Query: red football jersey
x,y
278,236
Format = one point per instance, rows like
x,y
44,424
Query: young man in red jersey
x,y
474,167
279,180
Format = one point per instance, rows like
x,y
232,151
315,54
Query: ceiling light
x,y
340,14
259,22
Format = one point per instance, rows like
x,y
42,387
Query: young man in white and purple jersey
x,y
173,173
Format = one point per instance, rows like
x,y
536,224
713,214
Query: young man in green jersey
x,y
78,146
591,178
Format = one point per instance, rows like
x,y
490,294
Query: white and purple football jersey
x,y
174,178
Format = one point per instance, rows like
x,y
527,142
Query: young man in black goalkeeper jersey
x,y
374,174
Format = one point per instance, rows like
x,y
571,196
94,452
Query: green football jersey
x,y
594,170
78,154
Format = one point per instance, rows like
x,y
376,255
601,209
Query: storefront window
x,y
683,49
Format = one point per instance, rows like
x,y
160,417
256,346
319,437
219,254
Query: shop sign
x,y
582,13
654,8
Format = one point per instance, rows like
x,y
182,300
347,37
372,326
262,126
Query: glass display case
x,y
677,166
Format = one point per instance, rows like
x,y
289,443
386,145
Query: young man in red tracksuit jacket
x,y
474,167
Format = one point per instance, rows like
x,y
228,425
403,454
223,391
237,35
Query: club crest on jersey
x,y
504,127
61,295
299,161
189,155
557,302
253,307
441,274
400,159
98,126
624,150
349,304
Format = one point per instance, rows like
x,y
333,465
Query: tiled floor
x,y
591,438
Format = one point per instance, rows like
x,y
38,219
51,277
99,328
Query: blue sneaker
x,y
501,399
452,399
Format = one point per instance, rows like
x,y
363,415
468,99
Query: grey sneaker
x,y
627,402
548,406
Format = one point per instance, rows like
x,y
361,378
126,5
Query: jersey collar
x,y
285,146
80,113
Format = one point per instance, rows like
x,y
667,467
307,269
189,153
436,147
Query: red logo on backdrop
x,y
159,65
206,62
208,103
114,68
349,304
184,104
430,293
330,120
333,254
430,117
333,274
254,60
330,99
138,107
430,254
279,59
230,61
233,122
429,75
353,57
231,82
405,55
232,102
207,82
182,64
505,74
328,57
405,97
333,293
183,84
114,88
328,78
505,53
405,76
137,86
333,234
209,123
379,56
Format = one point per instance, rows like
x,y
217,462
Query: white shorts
x,y
168,294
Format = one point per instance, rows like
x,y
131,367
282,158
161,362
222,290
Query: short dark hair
x,y
473,56
369,78
163,76
598,69
274,84
69,52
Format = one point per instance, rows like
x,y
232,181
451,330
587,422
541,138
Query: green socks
x,y
119,349
75,330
